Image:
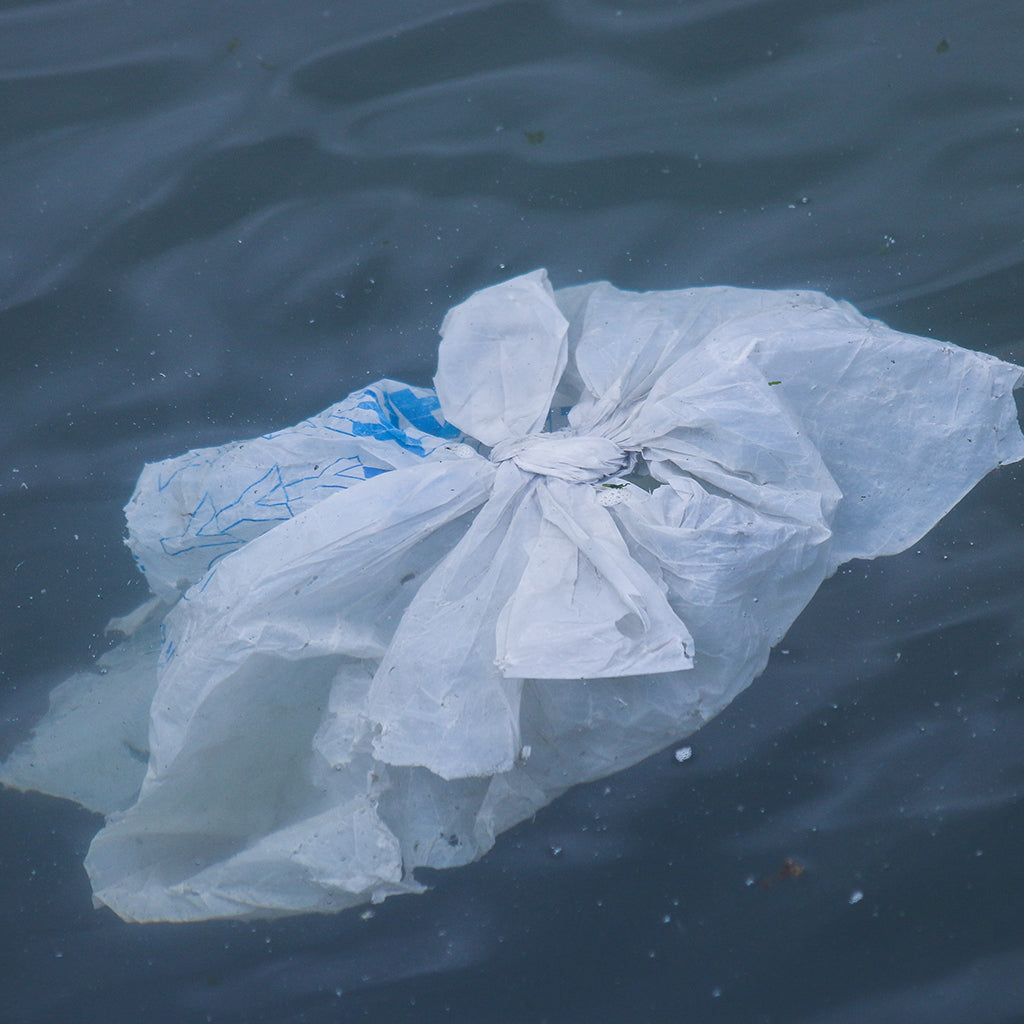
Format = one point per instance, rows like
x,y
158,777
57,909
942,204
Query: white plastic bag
x,y
402,626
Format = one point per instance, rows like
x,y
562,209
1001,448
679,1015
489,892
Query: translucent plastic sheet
x,y
385,635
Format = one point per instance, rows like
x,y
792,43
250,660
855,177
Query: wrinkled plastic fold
x,y
383,636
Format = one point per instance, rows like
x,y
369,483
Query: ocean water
x,y
220,218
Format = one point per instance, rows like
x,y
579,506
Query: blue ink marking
x,y
403,416
173,550
386,428
162,484
419,411
167,647
391,411
262,499
205,582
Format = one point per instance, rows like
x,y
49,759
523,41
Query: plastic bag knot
x,y
566,456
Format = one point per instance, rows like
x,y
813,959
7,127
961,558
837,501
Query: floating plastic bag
x,y
385,635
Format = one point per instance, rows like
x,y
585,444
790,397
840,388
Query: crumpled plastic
x,y
385,635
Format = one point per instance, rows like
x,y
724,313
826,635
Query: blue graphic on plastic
x,y
396,414
419,410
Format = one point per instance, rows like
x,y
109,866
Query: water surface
x,y
219,219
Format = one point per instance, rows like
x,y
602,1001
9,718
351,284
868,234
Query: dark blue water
x,y
220,218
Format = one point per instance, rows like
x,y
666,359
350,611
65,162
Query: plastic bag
x,y
402,626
